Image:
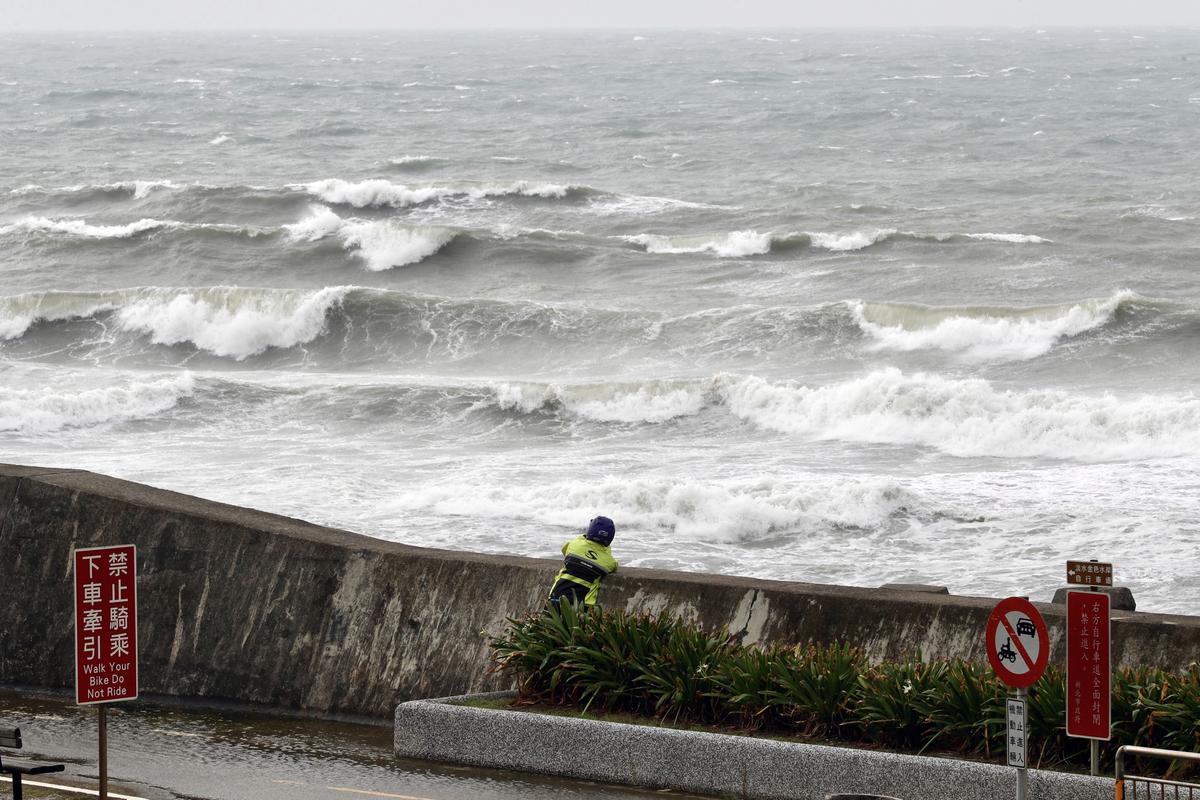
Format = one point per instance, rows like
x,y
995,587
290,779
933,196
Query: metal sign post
x,y
1018,724
1018,648
106,662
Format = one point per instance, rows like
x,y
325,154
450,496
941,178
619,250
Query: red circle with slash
x,y
1018,646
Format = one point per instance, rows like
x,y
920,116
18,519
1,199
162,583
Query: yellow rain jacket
x,y
586,563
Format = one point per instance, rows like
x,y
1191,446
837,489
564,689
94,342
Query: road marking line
x,y
92,792
375,794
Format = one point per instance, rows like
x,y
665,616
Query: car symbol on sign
x,y
1025,627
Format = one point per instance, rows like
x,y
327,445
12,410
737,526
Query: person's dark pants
x,y
570,591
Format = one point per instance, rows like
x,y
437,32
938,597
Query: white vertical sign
x,y
1017,723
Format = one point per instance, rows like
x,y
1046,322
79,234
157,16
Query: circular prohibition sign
x,y
1018,646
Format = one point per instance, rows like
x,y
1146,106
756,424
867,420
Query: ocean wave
x,y
225,321
972,418
415,163
380,193
986,333
374,326
648,402
382,244
44,410
79,227
752,243
137,189
731,245
696,509
969,418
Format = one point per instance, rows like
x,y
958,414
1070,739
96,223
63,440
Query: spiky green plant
x,y
681,675
888,701
745,679
814,685
965,709
1176,715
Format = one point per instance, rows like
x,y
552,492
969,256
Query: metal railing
x,y
1136,787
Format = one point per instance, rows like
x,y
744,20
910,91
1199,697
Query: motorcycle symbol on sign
x,y
1006,653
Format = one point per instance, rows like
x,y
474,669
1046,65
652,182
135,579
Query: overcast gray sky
x,y
633,14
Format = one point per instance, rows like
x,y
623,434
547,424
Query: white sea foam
x,y
846,242
972,418
221,138
719,511
983,333
650,402
643,204
1012,238
320,223
738,243
382,244
379,192
44,410
79,227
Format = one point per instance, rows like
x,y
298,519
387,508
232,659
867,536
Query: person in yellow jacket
x,y
586,562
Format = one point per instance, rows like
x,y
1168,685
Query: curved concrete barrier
x,y
704,763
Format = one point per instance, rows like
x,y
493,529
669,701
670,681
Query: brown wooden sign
x,y
1089,573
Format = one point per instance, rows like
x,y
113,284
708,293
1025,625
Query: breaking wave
x,y
752,243
382,244
82,229
972,418
380,193
960,417
706,510
44,410
138,190
985,332
358,325
225,321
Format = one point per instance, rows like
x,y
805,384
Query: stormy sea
x,y
826,306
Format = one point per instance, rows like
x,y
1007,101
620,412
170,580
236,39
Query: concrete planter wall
x,y
705,763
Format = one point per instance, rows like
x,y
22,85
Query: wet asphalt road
x,y
162,752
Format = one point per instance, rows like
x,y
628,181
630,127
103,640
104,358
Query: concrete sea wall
x,y
241,605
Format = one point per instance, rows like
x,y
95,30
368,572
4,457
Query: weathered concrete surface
x,y
242,605
705,763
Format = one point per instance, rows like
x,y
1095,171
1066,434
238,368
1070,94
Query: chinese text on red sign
x,y
106,624
1089,689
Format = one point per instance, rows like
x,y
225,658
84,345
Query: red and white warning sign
x,y
1018,646
1089,667
106,655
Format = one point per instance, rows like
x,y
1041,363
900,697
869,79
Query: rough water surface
x,y
836,307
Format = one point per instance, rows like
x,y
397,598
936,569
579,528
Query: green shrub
x,y
889,701
657,665
681,675
813,686
744,679
966,710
